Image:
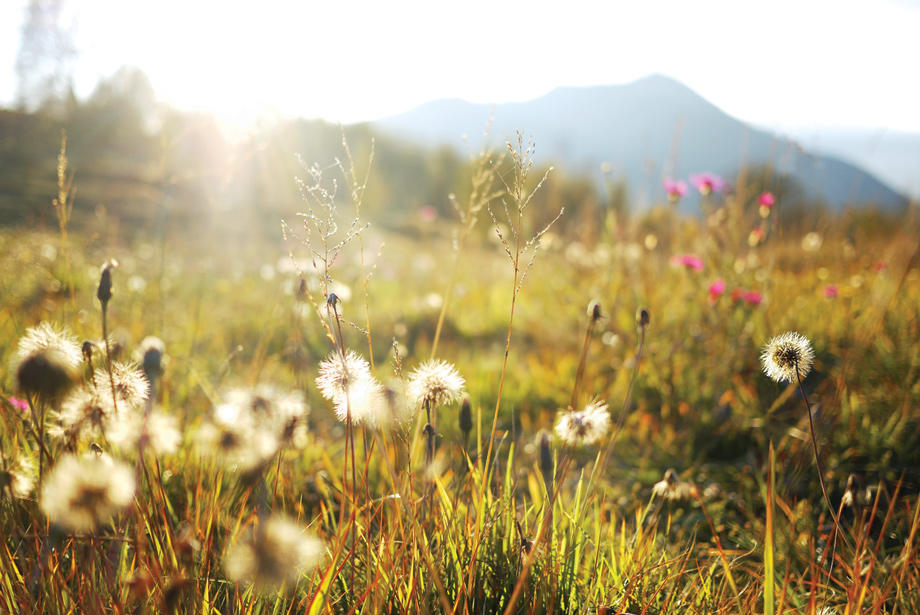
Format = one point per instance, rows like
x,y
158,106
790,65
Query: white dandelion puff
x,y
46,361
17,478
672,488
435,383
276,552
585,426
787,357
81,493
353,390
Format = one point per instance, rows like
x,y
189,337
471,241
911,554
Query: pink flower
x,y
429,213
707,183
751,297
880,266
20,404
831,291
716,289
675,189
766,199
688,260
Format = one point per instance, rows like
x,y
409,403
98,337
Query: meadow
x,y
495,410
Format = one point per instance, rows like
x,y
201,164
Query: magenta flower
x,y
716,289
766,199
751,297
831,291
20,404
675,189
688,260
880,266
707,183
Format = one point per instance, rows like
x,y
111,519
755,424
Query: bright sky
x,y
783,63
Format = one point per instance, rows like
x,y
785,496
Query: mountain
x,y
644,130
892,156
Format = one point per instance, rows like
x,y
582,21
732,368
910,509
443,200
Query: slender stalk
x,y
814,445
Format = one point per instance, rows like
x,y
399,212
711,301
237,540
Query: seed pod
x,y
466,416
104,292
643,318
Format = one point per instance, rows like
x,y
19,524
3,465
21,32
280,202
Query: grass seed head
x,y
786,354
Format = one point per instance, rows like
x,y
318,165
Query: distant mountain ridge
x,y
644,130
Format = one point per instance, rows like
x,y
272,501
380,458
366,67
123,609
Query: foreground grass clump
x,y
359,422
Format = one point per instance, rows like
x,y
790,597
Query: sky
x,y
787,64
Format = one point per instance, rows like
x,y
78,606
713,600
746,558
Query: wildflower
x,y
811,242
428,214
787,357
585,426
752,297
350,386
707,183
690,261
434,383
278,551
46,361
84,412
756,236
765,201
130,385
17,479
20,404
672,488
157,430
716,289
831,291
80,493
675,189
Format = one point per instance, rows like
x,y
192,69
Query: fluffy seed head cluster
x,y
786,354
131,387
278,551
81,493
435,383
17,478
672,488
355,393
249,426
585,426
46,361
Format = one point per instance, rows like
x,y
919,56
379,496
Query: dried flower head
x,y
46,361
355,393
81,493
672,488
435,383
585,426
150,355
787,357
278,551
131,387
17,478
85,412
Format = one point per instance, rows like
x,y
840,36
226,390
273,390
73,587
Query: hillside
x,y
644,130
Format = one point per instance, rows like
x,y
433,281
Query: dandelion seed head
x,y
353,390
46,361
672,488
585,426
435,383
277,552
17,477
787,357
80,493
131,386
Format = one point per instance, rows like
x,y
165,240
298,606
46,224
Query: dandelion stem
x,y
814,444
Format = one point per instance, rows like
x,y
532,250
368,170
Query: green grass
x,y
487,533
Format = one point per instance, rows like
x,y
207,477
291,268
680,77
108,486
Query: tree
x,y
44,63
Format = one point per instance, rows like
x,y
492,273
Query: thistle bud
x,y
594,311
152,349
546,461
466,417
47,373
104,292
643,318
